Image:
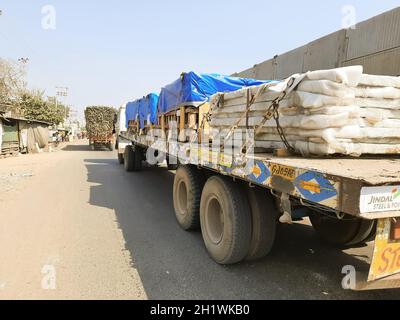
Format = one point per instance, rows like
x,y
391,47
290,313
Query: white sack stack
x,y
338,111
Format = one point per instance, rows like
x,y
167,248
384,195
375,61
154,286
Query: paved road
x,y
112,234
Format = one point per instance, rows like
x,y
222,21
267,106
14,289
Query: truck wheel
x,y
188,185
264,220
225,220
138,158
129,159
120,158
365,233
345,232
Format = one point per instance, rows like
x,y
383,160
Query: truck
x,y
100,126
238,202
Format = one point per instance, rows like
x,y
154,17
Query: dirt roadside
x,y
53,243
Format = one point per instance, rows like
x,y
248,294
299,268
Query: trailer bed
x,y
335,183
372,171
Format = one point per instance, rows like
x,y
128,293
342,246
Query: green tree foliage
x,y
16,98
35,107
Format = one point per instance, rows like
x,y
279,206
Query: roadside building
x,y
18,134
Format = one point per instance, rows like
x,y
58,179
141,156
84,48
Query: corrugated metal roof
x,y
25,120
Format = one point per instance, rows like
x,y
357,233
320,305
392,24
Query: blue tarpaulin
x,y
142,110
148,109
194,88
132,111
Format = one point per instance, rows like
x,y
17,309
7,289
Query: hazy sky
x,y
110,52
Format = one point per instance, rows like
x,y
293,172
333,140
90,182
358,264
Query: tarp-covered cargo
x,y
193,89
142,110
324,112
132,111
148,109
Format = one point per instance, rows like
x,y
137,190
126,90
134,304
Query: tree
x,y
15,97
35,107
12,84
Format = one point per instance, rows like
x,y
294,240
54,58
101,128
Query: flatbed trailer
x,y
349,201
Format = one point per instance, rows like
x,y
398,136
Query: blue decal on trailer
x,y
260,173
315,187
227,170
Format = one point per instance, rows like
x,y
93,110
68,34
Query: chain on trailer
x,y
272,112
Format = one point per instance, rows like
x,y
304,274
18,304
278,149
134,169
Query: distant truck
x,y
100,126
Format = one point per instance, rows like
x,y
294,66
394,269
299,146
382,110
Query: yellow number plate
x,y
386,260
285,172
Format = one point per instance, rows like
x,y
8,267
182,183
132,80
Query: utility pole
x,y
62,92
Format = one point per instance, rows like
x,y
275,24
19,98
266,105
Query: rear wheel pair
x,y
349,231
133,158
237,222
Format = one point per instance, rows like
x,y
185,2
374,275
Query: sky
x,y
111,52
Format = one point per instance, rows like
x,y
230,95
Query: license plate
x,y
380,199
285,172
386,259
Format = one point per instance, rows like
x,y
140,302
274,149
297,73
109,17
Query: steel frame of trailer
x,y
337,193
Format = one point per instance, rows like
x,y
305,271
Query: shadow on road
x,y
84,147
77,147
174,264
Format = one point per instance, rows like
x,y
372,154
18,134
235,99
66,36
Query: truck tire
x,y
264,217
365,233
225,220
129,159
138,158
120,158
349,231
188,186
